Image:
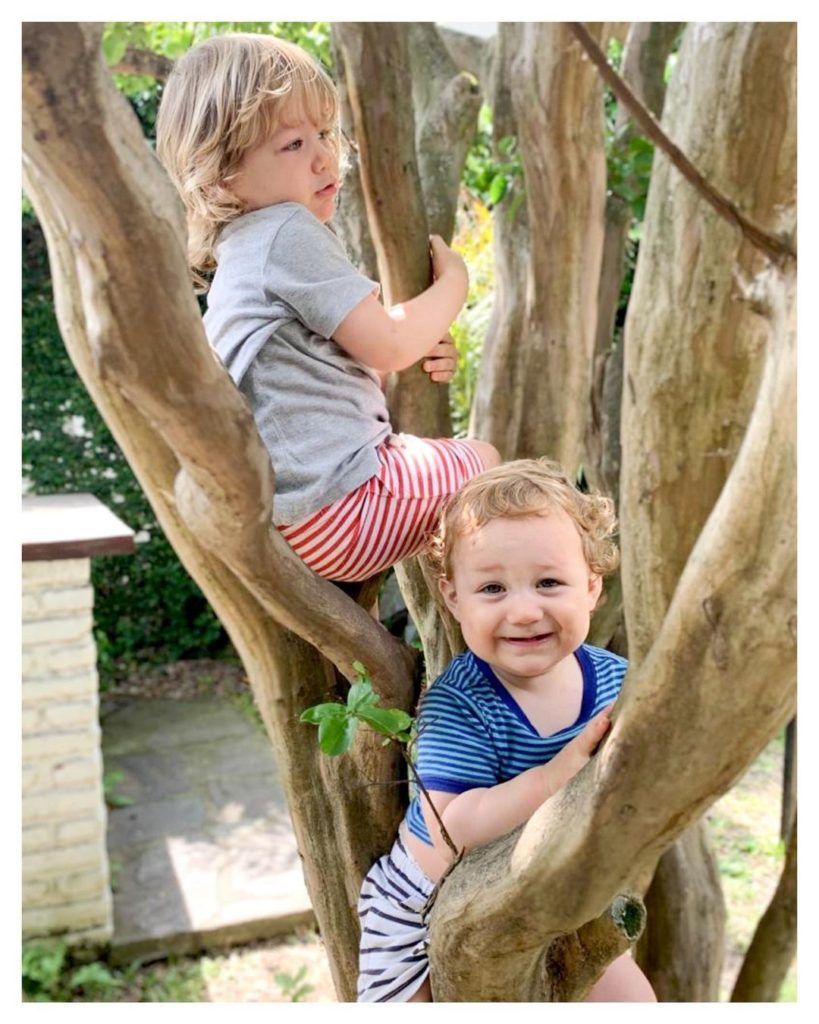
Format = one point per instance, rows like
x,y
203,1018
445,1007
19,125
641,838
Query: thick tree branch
x,y
780,250
144,62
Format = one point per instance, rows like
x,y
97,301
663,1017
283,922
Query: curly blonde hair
x,y
222,98
526,487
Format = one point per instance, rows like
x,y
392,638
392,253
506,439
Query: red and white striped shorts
x,y
391,515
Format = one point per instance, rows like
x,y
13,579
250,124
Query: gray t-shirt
x,y
282,286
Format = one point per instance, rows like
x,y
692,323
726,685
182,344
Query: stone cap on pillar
x,y
71,526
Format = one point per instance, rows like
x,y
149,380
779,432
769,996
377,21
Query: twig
x,y
778,249
417,779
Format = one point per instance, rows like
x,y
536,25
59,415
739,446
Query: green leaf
x,y
497,190
387,721
360,670
319,712
361,694
114,45
336,734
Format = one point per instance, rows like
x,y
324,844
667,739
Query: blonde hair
x,y
223,97
526,487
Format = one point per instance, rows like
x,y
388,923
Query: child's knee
x,y
489,454
622,982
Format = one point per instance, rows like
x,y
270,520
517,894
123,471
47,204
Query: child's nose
x,y
321,156
523,610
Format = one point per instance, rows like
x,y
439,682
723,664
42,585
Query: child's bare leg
x,y
622,982
424,993
489,454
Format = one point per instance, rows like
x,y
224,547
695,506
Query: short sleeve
x,y
455,749
308,269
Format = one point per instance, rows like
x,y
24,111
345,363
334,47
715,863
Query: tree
x,y
551,924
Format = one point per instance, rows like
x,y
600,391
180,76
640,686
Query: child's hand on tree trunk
x,y
441,361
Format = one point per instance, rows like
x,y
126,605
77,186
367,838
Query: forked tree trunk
x,y
773,946
689,344
532,392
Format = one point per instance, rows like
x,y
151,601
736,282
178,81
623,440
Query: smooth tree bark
x,y
773,945
540,342
693,357
646,50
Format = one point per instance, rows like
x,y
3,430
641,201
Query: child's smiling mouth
x,y
526,641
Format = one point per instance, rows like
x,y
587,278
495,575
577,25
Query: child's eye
x,y
491,588
548,583
294,146
326,133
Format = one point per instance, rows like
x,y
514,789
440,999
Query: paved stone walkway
x,y
205,855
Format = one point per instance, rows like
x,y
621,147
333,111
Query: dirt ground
x,y
744,826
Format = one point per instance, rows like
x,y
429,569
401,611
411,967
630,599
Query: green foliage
x,y
147,610
338,723
51,973
293,986
43,963
474,242
110,781
492,174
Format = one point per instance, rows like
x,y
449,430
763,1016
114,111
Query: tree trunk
x,y
689,344
551,99
681,950
412,144
644,58
773,946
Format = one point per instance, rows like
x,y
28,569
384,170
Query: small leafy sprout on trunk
x,y
338,723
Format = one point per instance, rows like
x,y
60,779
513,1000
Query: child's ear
x,y
448,593
595,589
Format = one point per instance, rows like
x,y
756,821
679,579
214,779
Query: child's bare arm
x,y
480,815
394,339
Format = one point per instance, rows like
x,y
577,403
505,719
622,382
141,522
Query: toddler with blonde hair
x,y
520,556
248,130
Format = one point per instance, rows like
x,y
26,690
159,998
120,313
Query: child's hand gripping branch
x,y
395,338
481,815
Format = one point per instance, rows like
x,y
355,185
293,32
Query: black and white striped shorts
x,y
393,954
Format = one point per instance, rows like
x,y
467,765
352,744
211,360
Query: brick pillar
x,y
65,863
66,888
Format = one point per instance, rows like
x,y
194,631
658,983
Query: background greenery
x,y
147,609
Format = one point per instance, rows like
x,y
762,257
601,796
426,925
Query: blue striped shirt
x,y
473,733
